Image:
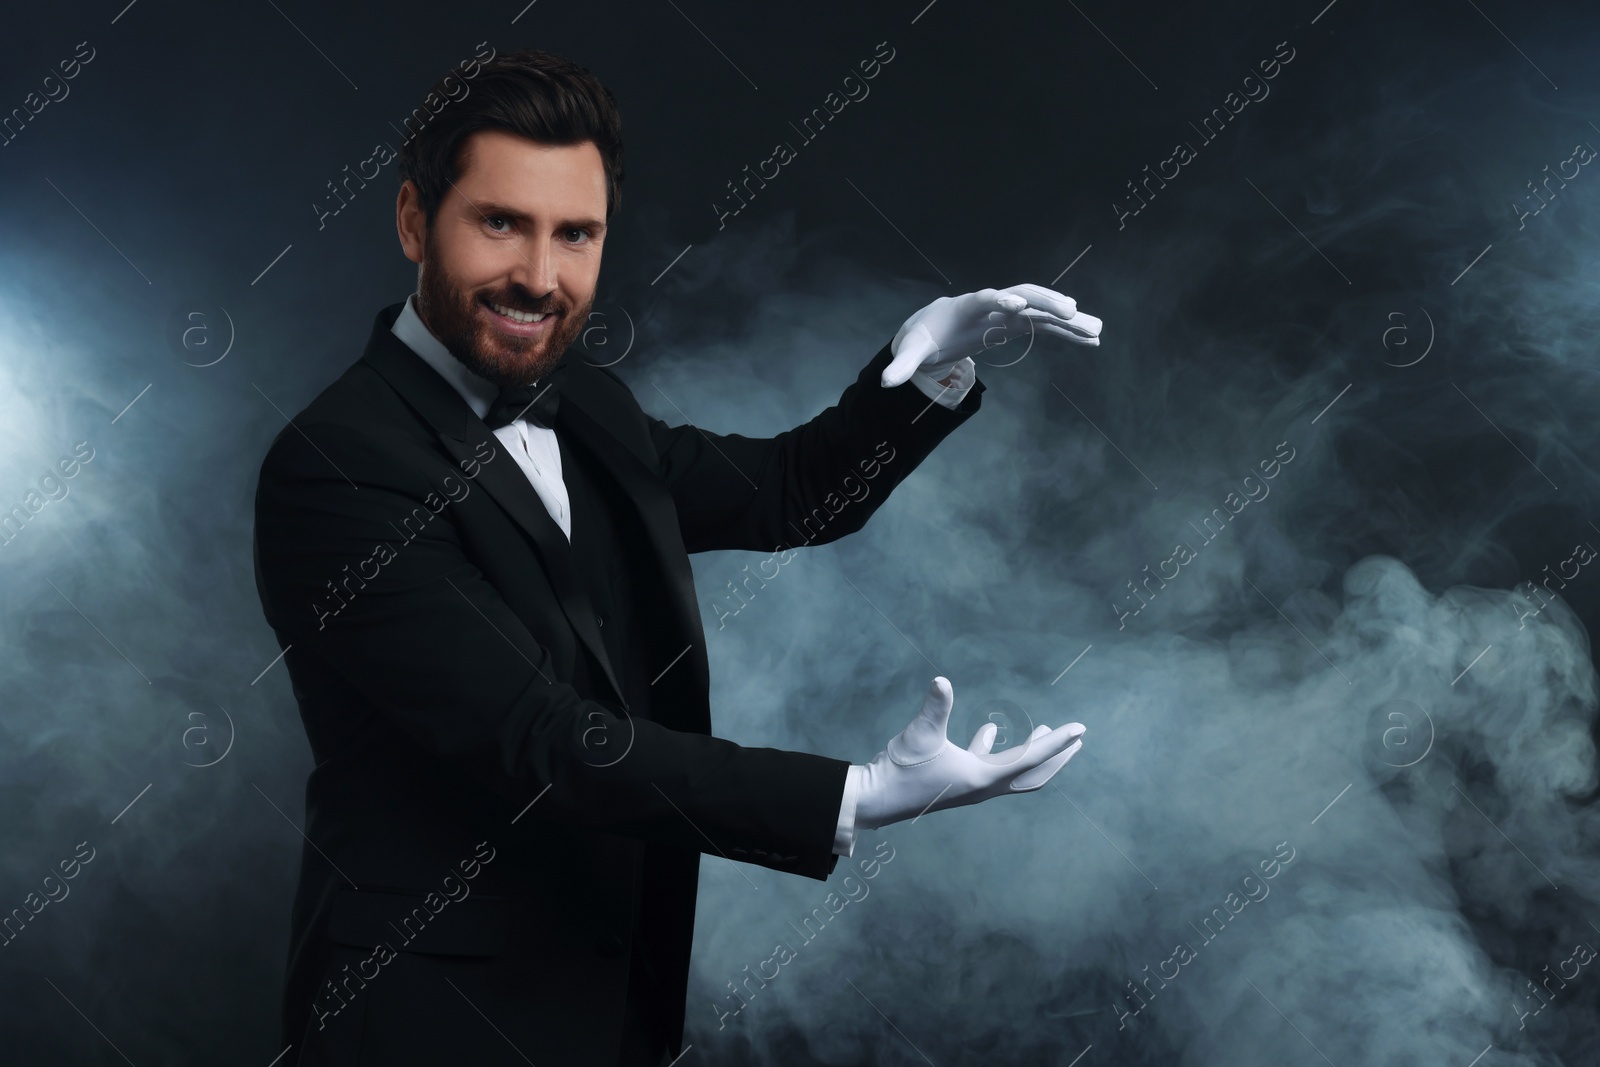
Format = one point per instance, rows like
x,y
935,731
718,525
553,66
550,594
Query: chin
x,y
511,364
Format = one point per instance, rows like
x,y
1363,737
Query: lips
x,y
514,327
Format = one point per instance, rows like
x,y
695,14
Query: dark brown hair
x,y
533,94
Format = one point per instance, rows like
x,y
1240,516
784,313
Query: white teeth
x,y
516,316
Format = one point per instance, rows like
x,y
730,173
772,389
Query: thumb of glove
x,y
911,347
926,735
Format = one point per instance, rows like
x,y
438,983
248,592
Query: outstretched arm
x,y
811,484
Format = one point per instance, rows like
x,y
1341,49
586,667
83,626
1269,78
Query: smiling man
x,y
473,548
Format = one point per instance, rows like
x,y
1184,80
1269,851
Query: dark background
x,y
1341,673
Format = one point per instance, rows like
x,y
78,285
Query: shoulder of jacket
x,y
355,411
606,378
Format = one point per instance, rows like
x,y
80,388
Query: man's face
x,y
520,230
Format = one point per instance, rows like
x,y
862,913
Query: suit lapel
x,y
462,433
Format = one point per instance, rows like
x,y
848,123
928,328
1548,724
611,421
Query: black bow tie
x,y
540,401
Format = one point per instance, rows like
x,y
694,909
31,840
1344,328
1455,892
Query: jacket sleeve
x,y
809,485
434,650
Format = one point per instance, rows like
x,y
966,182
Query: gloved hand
x,y
952,328
921,770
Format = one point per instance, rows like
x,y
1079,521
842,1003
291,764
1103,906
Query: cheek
x,y
580,276
475,262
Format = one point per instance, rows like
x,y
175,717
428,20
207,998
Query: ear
x,y
410,222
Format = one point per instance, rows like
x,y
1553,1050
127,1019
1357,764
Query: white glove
x,y
952,328
921,770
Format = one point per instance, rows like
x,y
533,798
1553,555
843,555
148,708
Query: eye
x,y
577,230
490,220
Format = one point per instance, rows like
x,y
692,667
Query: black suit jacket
x,y
490,823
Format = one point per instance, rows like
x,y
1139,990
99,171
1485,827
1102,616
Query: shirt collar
x,y
477,391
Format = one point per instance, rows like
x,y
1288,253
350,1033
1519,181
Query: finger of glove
x,y
1075,338
1016,757
916,345
1045,744
983,740
1086,323
1042,319
1082,324
925,737
1004,300
1028,781
998,766
1046,299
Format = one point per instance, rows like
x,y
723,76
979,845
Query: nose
x,y
534,268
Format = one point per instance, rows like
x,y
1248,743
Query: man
x,y
473,548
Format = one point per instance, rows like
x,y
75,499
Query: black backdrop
x,y
1350,666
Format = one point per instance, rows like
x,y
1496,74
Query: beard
x,y
453,315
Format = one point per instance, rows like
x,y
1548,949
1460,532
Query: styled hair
x,y
530,93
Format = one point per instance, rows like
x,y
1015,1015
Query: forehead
x,y
532,176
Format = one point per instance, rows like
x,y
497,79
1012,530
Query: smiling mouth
x,y
516,316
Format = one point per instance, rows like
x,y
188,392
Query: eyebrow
x,y
488,208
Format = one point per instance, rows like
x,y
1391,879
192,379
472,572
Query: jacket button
x,y
609,946
599,620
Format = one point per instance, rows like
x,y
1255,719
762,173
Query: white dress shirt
x,y
533,446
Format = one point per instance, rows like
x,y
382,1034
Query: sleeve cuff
x,y
961,376
844,838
